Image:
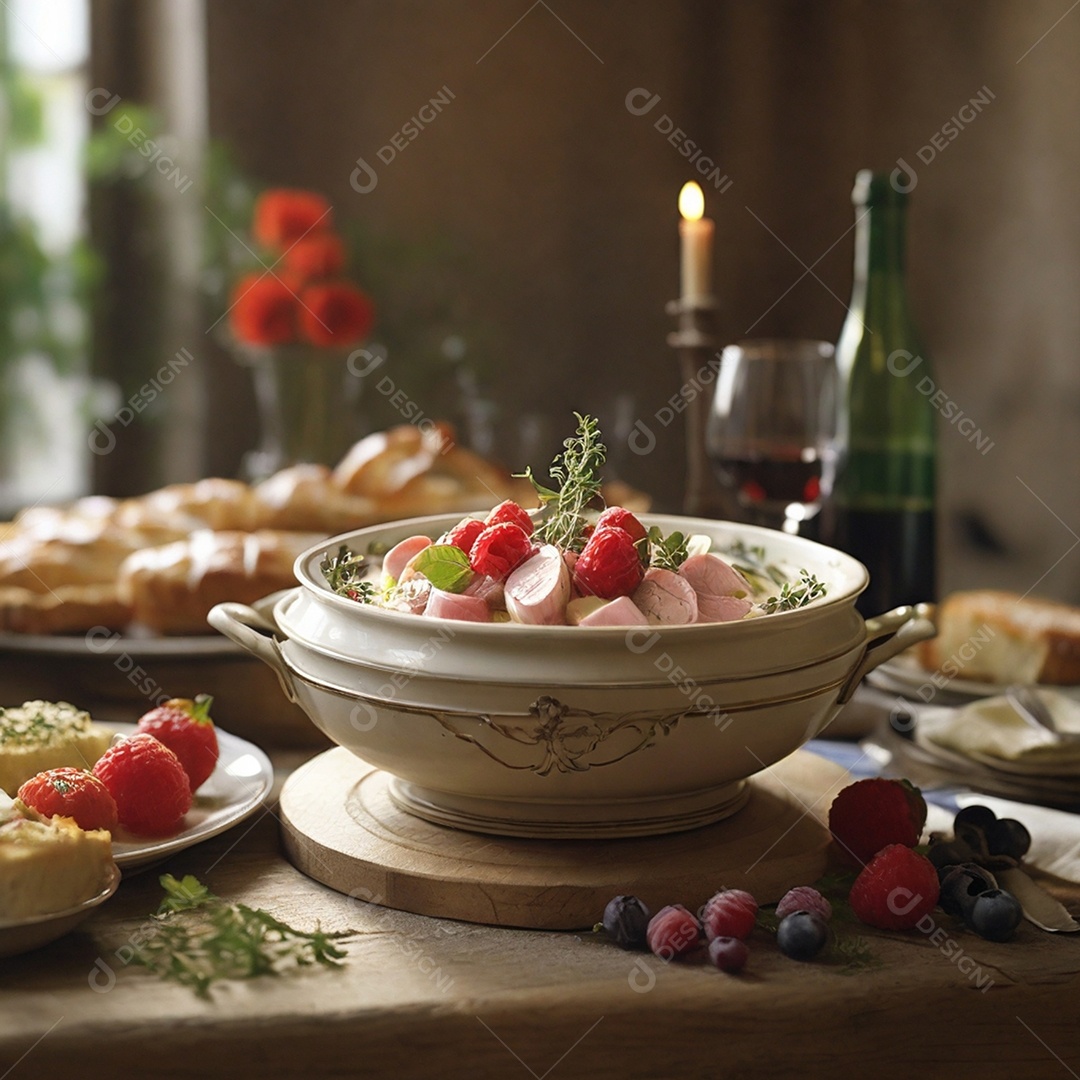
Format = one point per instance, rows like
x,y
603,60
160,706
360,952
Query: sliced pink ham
x,y
444,605
489,590
666,599
722,592
400,555
538,591
619,612
722,608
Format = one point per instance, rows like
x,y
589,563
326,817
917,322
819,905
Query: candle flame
x,y
691,201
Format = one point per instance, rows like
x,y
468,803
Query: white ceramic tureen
x,y
562,731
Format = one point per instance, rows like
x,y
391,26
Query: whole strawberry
x,y
185,727
73,793
148,783
869,814
895,889
464,534
609,566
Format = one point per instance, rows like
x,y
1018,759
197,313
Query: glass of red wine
x,y
772,430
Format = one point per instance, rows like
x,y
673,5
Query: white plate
x,y
904,675
21,935
111,645
237,787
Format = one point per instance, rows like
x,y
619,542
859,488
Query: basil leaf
x,y
445,566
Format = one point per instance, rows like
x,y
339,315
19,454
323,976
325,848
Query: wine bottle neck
x,y
879,262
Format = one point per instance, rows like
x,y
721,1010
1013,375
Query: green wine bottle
x,y
886,490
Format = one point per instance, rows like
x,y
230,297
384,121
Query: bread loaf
x,y
1003,637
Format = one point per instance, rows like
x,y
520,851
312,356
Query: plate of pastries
x,y
151,567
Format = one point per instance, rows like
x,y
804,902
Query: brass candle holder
x,y
695,343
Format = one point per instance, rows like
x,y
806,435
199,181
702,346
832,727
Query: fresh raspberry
x,y
149,785
464,534
72,793
500,548
609,566
730,913
510,511
869,814
618,517
896,889
804,898
672,932
185,727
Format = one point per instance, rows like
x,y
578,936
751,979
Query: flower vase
x,y
307,400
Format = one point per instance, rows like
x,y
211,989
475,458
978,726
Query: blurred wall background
x,y
545,208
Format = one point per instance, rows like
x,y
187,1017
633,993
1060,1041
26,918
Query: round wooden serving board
x,y
341,827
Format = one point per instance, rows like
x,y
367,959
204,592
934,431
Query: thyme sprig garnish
x,y
575,472
199,939
808,589
344,573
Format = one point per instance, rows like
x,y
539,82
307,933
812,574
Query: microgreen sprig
x,y
808,589
344,573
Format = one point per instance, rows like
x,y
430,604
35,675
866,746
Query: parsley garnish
x,y
805,591
199,939
344,573
562,520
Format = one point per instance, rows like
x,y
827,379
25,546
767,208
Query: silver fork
x,y
1034,710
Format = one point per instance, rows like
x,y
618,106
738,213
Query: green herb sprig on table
x,y
575,471
808,589
199,939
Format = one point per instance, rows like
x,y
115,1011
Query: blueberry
x,y
948,853
626,919
801,935
962,885
728,954
1007,836
995,914
981,817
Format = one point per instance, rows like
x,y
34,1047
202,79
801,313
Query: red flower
x,y
263,311
283,215
317,255
336,313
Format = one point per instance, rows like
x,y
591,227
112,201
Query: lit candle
x,y
697,239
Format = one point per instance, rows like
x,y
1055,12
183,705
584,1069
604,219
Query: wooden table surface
x,y
428,998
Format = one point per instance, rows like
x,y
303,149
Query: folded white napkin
x,y
991,728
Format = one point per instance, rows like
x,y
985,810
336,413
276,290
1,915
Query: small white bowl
x,y
557,731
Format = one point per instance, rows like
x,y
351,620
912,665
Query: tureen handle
x,y
887,635
255,634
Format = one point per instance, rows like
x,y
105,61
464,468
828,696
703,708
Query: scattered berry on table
x,y
730,913
511,512
895,889
464,534
729,954
871,814
982,817
1007,836
626,919
73,793
186,728
801,935
620,518
499,549
961,885
804,898
609,565
673,931
149,785
994,915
